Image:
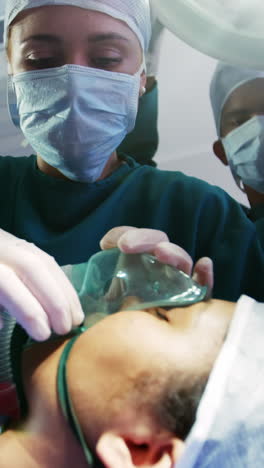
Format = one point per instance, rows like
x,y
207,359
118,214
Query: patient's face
x,y
183,342
244,103
171,332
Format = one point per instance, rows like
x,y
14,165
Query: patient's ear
x,y
113,451
116,452
219,151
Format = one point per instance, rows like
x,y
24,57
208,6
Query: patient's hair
x,y
172,403
178,407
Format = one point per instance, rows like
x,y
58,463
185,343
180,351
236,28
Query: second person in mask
x,y
237,97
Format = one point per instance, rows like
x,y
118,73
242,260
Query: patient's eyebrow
x,y
93,38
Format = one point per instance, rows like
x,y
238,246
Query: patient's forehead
x,y
213,306
126,328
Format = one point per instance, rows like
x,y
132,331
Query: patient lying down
x,y
135,381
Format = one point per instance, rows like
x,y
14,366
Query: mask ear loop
x,y
238,180
143,67
241,185
67,406
12,102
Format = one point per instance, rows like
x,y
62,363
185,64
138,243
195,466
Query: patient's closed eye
x,y
161,315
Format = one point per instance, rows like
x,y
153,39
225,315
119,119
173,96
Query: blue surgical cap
x,y
225,81
135,13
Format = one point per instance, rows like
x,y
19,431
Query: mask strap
x,y
12,102
67,406
241,185
143,67
237,179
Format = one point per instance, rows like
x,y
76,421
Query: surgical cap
x,y
225,81
135,13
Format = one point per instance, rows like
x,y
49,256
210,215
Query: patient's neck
x,y
44,433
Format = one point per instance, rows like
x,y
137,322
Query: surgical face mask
x,y
244,148
73,116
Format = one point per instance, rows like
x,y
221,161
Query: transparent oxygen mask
x,y
113,281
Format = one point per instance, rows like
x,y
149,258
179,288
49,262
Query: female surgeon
x,y
76,73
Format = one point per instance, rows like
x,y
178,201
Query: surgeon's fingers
x,y
37,276
173,255
110,240
141,240
75,306
133,240
203,272
22,305
46,289
76,312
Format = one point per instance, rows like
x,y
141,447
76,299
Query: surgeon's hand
x,y
35,291
133,240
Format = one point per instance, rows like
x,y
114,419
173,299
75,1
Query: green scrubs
x,y
256,212
68,219
142,143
